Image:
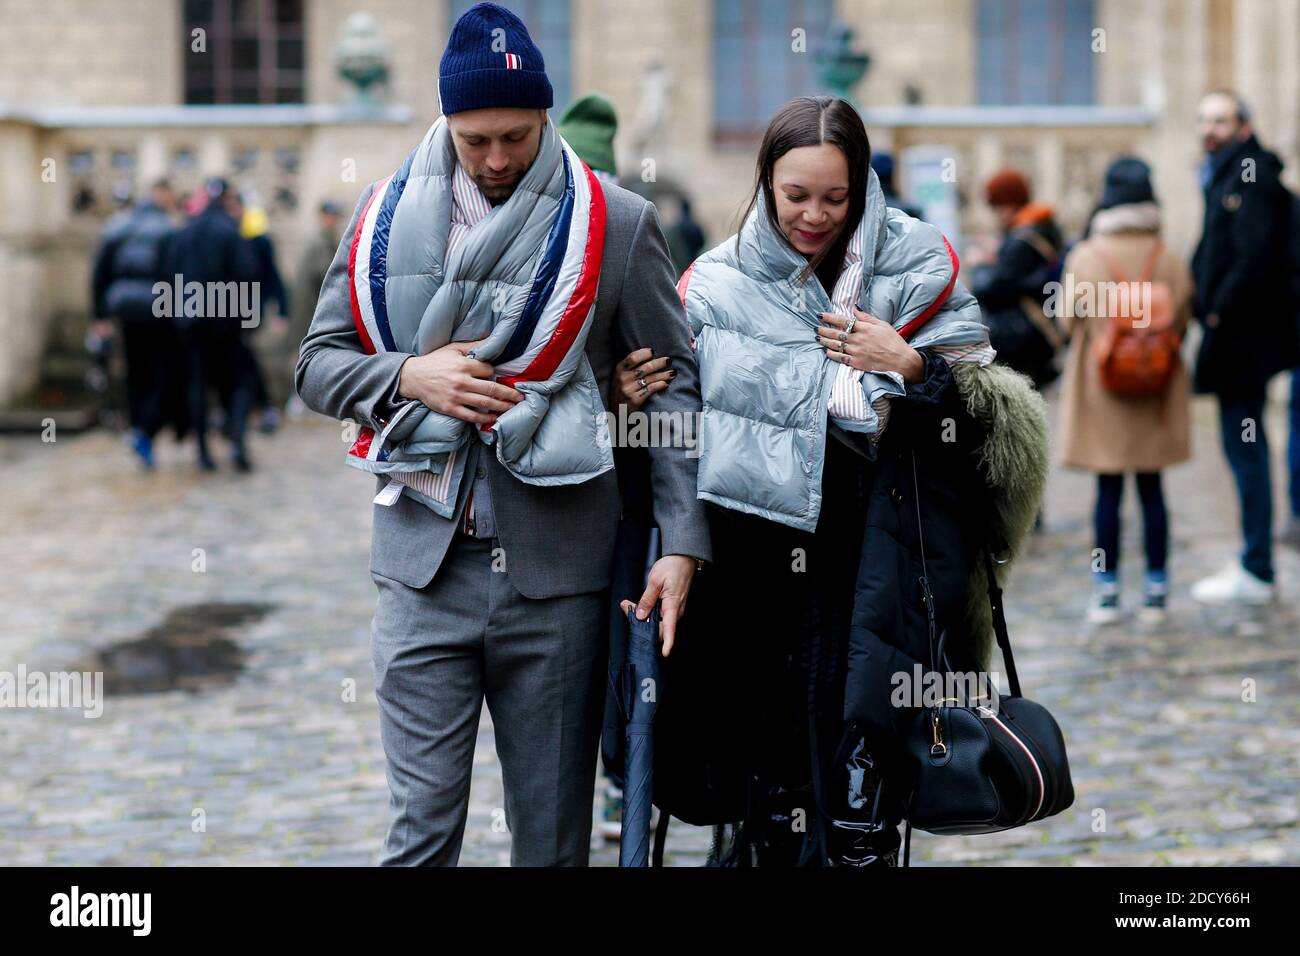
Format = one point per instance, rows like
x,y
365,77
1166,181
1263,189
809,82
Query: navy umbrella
x,y
640,686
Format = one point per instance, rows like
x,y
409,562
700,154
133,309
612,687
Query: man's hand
x,y
669,583
446,381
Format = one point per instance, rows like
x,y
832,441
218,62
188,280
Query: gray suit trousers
x,y
438,652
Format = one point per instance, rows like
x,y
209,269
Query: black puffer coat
x,y
978,436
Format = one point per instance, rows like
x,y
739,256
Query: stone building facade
x,y
98,98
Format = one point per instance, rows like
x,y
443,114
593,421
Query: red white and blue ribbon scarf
x,y
552,324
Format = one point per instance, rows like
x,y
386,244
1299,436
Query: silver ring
x,y
641,382
843,336
849,323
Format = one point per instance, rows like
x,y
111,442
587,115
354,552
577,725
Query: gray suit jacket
x,y
557,540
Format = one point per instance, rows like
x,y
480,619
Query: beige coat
x,y
1100,431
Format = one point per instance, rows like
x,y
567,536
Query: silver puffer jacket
x,y
764,377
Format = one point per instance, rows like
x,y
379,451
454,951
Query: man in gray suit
x,y
507,600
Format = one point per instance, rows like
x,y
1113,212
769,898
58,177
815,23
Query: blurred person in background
x,y
1011,290
685,237
589,126
209,250
1291,536
1112,432
312,266
1245,303
268,396
883,164
130,260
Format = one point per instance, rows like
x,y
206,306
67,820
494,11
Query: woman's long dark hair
x,y
811,121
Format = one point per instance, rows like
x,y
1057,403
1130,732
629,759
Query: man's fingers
x,y
477,368
467,414
502,393
636,358
485,402
463,347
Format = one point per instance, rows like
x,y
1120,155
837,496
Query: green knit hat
x,y
589,125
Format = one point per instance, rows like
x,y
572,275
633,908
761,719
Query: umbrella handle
x,y
652,618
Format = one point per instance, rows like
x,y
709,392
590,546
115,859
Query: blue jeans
x,y
1239,417
1155,521
1293,444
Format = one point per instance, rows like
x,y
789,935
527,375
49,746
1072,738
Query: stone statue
x,y
361,57
839,66
655,89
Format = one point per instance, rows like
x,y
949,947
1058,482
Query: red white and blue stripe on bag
x,y
543,335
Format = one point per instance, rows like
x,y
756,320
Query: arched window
x,y
250,51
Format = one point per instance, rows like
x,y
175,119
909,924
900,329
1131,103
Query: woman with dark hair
x,y
848,395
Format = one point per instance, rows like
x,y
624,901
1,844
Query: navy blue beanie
x,y
482,67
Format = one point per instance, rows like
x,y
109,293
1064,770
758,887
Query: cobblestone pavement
x,y
282,765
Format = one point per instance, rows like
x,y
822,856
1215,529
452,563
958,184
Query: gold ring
x,y
844,336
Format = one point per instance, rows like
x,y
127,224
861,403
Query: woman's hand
x,y
873,345
639,376
668,584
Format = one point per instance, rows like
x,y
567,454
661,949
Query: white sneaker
x,y
1233,585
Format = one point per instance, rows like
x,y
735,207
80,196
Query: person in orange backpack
x,y
1126,392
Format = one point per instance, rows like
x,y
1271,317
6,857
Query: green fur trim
x,y
1014,461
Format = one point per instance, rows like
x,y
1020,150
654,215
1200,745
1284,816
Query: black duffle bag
x,y
976,767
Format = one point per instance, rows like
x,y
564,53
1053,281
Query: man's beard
x,y
497,193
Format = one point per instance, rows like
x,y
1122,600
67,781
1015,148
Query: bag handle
x,y
1000,624
999,629
925,573
1111,265
1038,242
1149,269
994,595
